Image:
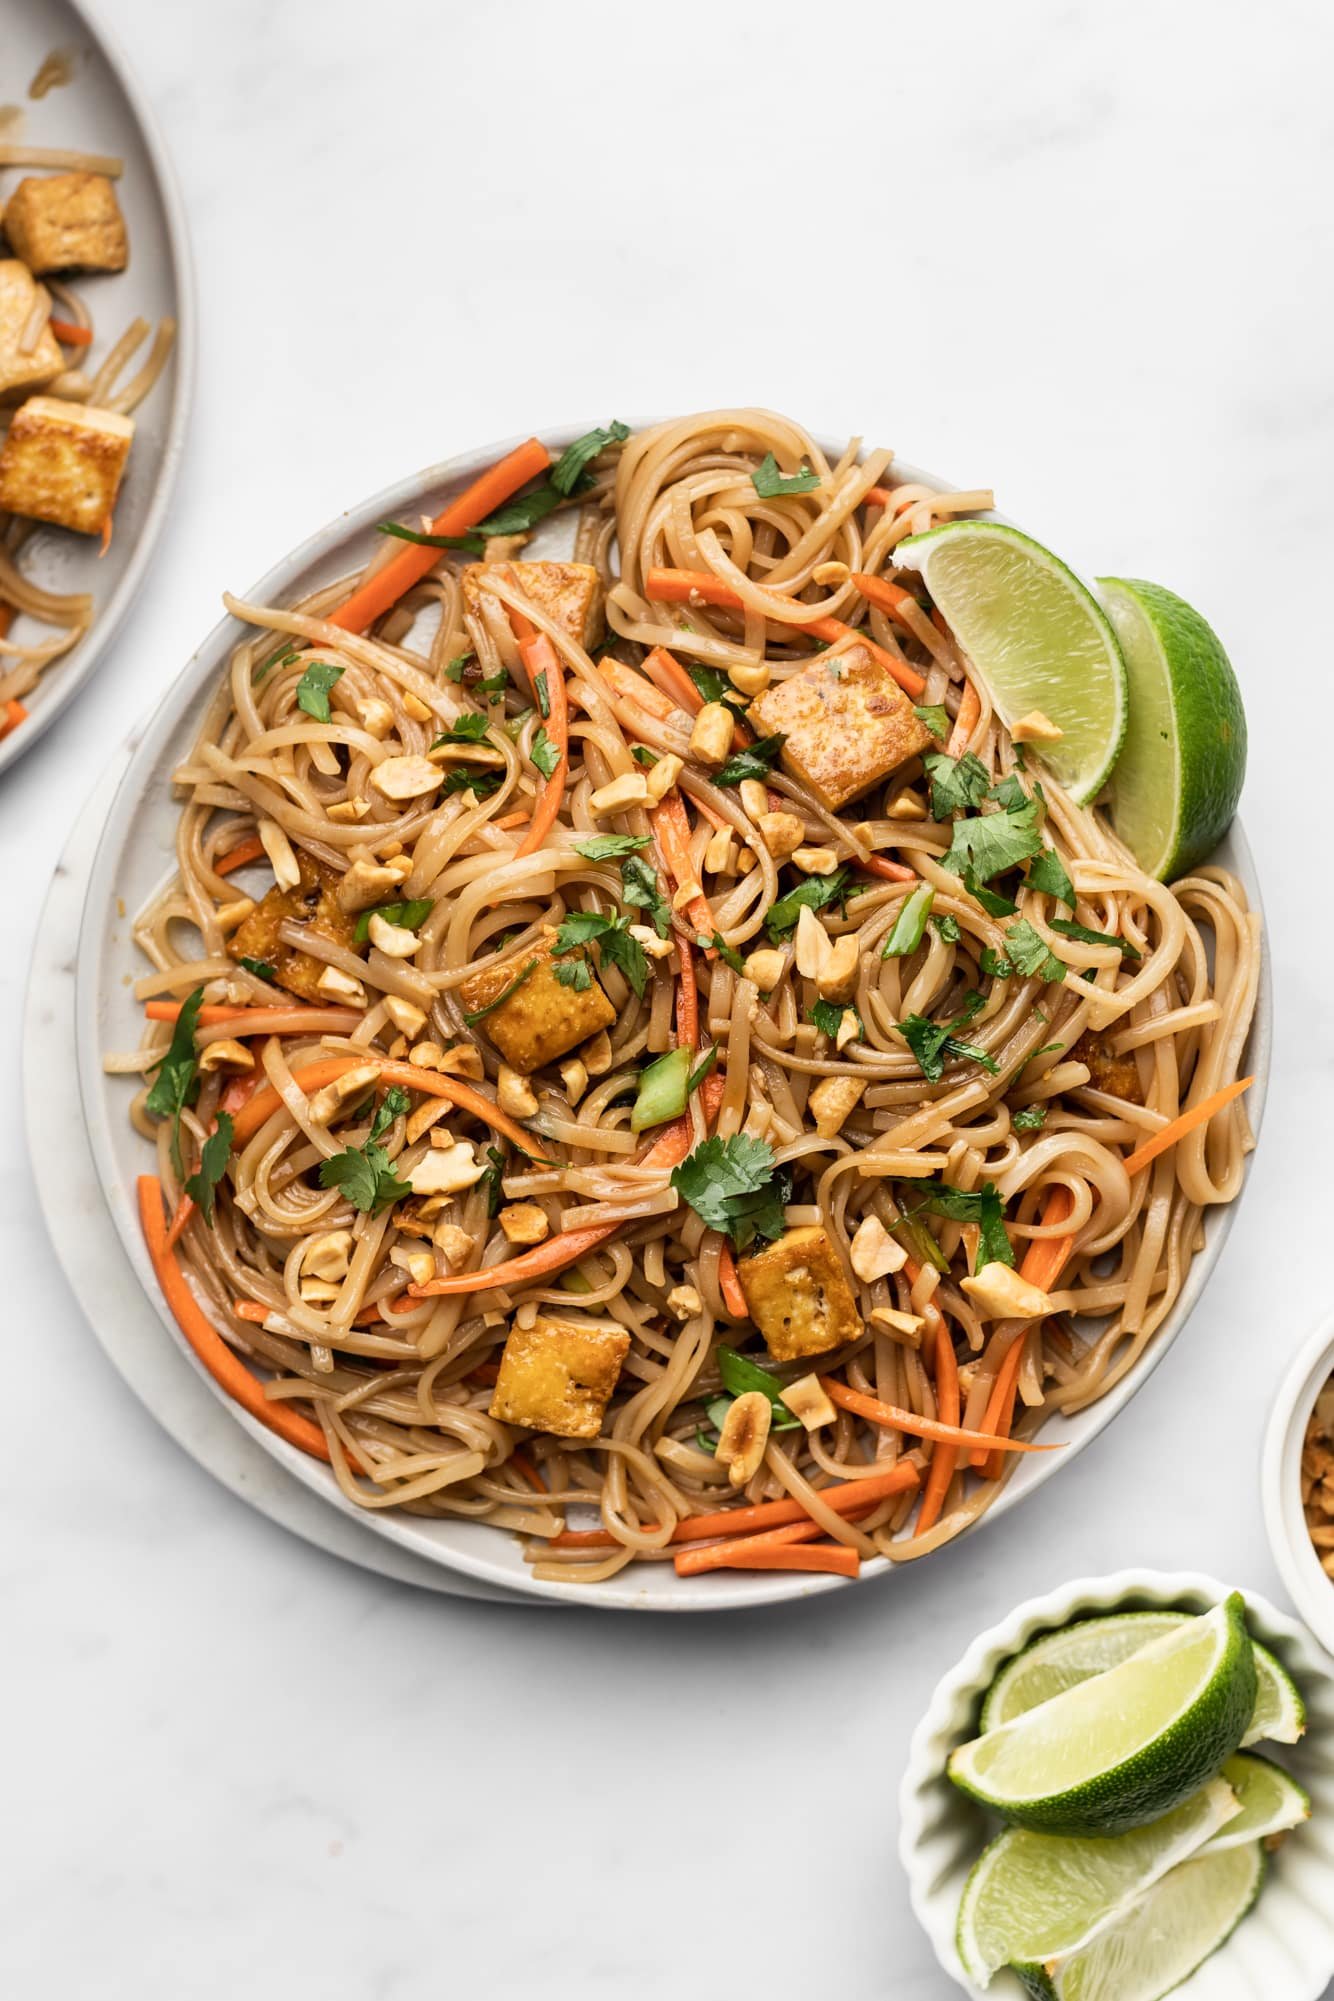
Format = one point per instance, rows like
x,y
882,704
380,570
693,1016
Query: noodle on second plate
x,y
881,1159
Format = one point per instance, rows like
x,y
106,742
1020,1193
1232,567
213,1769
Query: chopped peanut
x,y
711,737
684,1301
336,985
765,967
744,1436
407,1018
837,976
849,1029
720,855
463,1060
414,706
812,944
750,680
656,947
874,1253
377,718
394,940
630,789
1035,728
832,1100
345,812
782,834
807,1400
908,1324
574,1076
449,1167
661,777
906,805
425,1055
366,883
400,778
514,1094
232,1058
831,573
999,1293
525,1223
597,1054
426,1115
453,1244
754,797
816,861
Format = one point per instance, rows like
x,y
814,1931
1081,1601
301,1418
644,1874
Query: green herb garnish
x,y
982,1206
906,934
177,1082
816,892
755,761
769,482
932,716
956,782
828,1018
615,947
466,778
260,968
731,1185
946,928
1029,1118
568,471
312,690
740,1375
1047,873
640,891
1068,929
544,753
470,544
934,1042
1030,954
990,843
480,1013
365,1174
213,1157
608,847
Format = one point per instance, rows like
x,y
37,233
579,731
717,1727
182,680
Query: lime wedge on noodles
x,y
1036,636
1125,1746
1042,1896
1060,1660
1159,1941
1180,774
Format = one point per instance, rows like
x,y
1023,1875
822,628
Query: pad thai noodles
x,y
66,395
639,1054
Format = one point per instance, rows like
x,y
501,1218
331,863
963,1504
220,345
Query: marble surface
x,y
1081,253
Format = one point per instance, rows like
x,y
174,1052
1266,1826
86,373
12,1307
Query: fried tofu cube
x,y
1117,1075
23,370
558,1376
67,222
314,905
847,722
798,1295
569,593
542,1019
63,463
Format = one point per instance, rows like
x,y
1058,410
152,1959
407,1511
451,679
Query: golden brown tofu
x,y
847,722
1117,1075
542,1019
63,462
558,1375
311,904
799,1296
569,593
67,222
23,369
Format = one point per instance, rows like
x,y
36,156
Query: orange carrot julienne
x,y
891,871
185,1209
251,1309
683,586
945,1457
222,1363
729,1284
894,1419
1041,1265
1185,1122
1000,1405
239,1091
767,1553
672,680
508,820
540,658
671,824
970,708
429,1082
245,851
629,684
849,1497
210,1016
374,598
71,333
14,712
687,999
522,1464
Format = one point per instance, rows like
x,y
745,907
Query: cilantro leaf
x,y
993,965
755,761
608,847
956,783
543,693
470,544
492,685
727,953
715,686
1047,873
947,928
731,1186
1029,1118
517,517
260,968
213,1157
395,1104
769,482
366,1176
469,727
407,916
491,1179
828,1018
618,948
932,716
982,1206
454,668
312,690
816,892
568,471
991,900
544,753
615,947
641,754
1030,954
284,657
463,778
1068,929
935,1042
993,842
177,1082
1009,792
640,890
701,1070
576,974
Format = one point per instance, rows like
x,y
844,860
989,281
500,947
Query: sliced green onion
x,y
910,923
662,1090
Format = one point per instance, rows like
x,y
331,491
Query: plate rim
x,y
146,748
72,672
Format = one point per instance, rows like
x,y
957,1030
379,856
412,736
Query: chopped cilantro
x,y
828,1018
544,753
365,1174
640,891
1068,929
1009,792
982,1206
933,1042
727,953
470,727
947,929
464,778
213,1156
542,692
607,847
1030,954
769,482
568,473
1029,1118
614,944
454,668
1047,873
312,690
990,843
731,1185
177,1082
284,657
932,716
470,544
814,893
994,965
956,782
714,685
260,968
991,900
755,761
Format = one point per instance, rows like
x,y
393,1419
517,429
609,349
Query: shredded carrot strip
x,y
970,708
895,1419
767,1553
245,851
251,1309
238,1092
680,586
849,1497
374,598
521,1463
672,680
71,333
687,999
1041,1264
944,1458
429,1082
225,1367
891,871
630,685
540,657
671,825
14,712
508,820
729,1284
1186,1122
185,1209
210,1016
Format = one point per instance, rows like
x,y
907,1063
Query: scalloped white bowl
x,y
1283,1950
137,850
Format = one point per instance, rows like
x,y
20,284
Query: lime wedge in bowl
x,y
1061,1660
1160,1940
1039,1897
1036,635
1125,1746
1271,1802
1181,770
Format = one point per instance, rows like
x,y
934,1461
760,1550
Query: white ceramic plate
x,y
1280,1482
1284,1948
102,110
137,852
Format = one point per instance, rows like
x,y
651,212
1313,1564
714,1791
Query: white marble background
x,y
1080,251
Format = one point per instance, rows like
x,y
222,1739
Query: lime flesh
x,y
1037,637
1123,1747
1181,769
1271,1802
1060,1660
1042,1896
1160,1940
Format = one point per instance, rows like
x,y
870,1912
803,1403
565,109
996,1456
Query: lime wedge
x,y
1038,638
1159,1941
1123,1747
1042,1896
1271,1802
1181,770
1060,1660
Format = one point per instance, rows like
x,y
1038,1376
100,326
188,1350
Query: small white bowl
x,y
1280,1483
1284,1948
